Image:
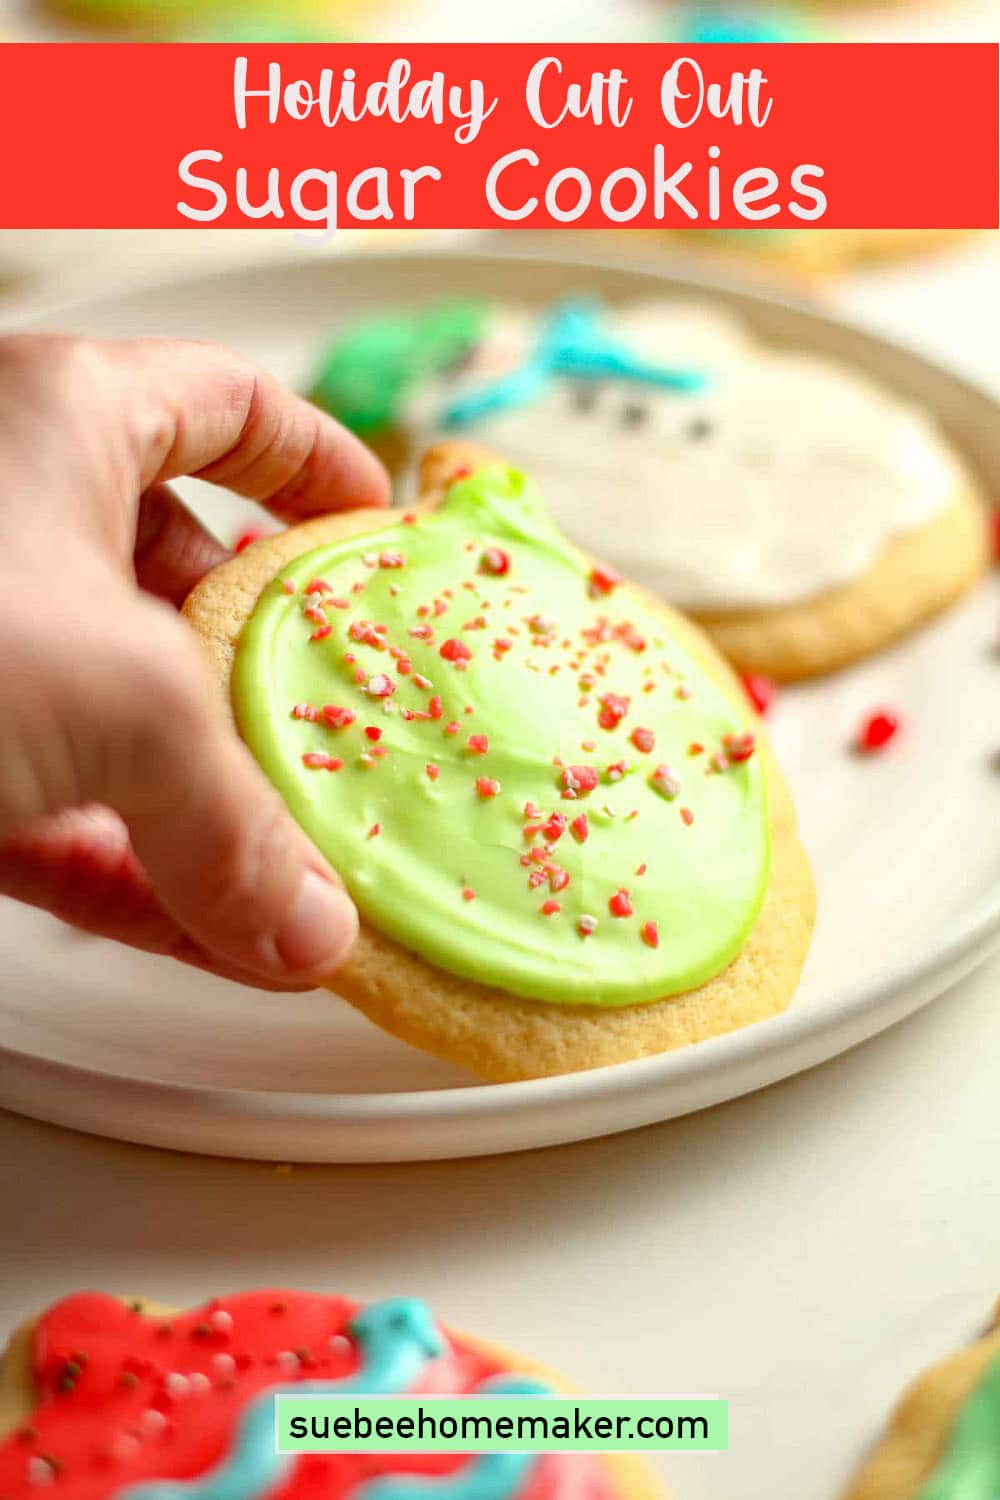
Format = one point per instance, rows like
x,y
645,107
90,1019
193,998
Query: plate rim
x,y
925,973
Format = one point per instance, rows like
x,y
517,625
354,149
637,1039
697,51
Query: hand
x,y
128,806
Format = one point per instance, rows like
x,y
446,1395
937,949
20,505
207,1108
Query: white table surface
x,y
802,1251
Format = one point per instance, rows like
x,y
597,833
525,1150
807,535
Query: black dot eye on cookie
x,y
584,396
635,413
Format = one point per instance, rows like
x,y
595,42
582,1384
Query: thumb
x,y
227,860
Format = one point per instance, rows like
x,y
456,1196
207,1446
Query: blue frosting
x,y
494,1476
396,1338
573,343
710,23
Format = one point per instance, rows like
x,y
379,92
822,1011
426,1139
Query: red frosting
x,y
110,1409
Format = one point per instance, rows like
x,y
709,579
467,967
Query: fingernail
x,y
320,928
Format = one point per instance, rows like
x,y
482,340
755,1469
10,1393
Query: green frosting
x,y
475,852
970,1468
367,373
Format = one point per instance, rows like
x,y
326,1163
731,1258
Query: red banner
x,y
521,136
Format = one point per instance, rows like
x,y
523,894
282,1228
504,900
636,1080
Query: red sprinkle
x,y
453,727
687,816
468,894
478,744
644,740
613,710
620,904
454,650
380,686
337,718
391,560
603,579
739,747
487,786
579,781
876,731
247,539
318,586
650,934
375,830
555,827
586,926
496,561
435,707
372,732
761,690
316,760
432,770
549,908
462,472
580,828
322,633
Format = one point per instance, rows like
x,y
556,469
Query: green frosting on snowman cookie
x,y
366,374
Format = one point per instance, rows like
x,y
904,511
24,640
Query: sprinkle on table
x,y
877,730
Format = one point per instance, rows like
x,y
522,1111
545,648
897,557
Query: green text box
x,y
498,1424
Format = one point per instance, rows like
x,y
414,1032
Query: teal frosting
x,y
733,24
574,342
396,1338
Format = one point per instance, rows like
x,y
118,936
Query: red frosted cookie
x,y
102,1397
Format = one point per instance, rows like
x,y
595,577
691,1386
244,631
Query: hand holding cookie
x,y
127,806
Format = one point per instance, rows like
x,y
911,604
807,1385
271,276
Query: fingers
x,y
173,551
124,714
209,413
226,859
80,866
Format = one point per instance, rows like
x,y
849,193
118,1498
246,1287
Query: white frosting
x,y
785,477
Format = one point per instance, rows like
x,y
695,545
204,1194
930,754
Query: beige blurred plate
x,y
905,846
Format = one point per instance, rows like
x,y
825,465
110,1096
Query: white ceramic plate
x,y
905,845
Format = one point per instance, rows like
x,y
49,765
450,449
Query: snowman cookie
x,y
800,511
104,1399
553,805
943,1440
